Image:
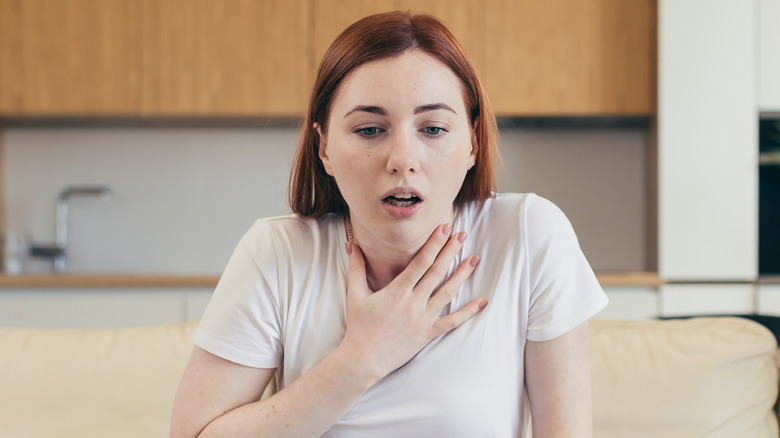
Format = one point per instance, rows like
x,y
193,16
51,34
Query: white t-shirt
x,y
281,303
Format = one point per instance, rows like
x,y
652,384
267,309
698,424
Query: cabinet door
x,y
226,58
707,299
465,18
10,56
630,302
89,308
768,300
70,57
571,57
707,141
769,55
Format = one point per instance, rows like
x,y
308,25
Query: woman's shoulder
x,y
502,206
292,223
515,214
290,230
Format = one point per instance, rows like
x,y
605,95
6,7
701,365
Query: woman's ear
x,y
474,143
323,148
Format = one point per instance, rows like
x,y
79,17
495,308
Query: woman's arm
x,y
384,330
210,386
557,376
219,398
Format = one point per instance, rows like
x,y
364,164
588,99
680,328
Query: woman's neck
x,y
385,260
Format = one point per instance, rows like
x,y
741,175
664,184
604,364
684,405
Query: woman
x,y
403,298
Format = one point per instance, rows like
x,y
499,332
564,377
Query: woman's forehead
x,y
404,82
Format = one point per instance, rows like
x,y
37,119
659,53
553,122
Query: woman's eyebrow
x,y
368,109
433,107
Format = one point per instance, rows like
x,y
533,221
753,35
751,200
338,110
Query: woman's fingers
x,y
445,294
454,320
424,259
438,270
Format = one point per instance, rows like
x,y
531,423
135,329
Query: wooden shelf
x,y
107,280
649,279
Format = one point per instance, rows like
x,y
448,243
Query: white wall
x,y
183,197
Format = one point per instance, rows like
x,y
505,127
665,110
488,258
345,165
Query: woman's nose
x,y
403,156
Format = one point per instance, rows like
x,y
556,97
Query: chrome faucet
x,y
57,252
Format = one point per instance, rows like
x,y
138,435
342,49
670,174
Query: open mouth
x,y
402,200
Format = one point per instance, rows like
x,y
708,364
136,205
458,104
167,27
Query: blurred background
x,y
139,139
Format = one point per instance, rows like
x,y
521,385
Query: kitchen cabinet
x,y
258,57
769,55
154,57
707,141
465,18
537,58
768,299
225,58
72,57
98,308
630,302
10,55
571,57
706,299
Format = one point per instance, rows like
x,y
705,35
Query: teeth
x,y
402,195
398,203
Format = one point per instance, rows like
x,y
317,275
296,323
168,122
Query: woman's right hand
x,y
386,328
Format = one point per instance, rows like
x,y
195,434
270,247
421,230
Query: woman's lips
x,y
401,207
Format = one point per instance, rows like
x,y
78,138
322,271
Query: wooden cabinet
x,y
535,57
465,18
571,57
154,57
258,57
226,58
10,55
70,57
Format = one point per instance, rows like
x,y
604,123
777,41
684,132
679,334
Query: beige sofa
x,y
707,377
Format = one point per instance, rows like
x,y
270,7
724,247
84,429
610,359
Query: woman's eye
x,y
368,132
434,131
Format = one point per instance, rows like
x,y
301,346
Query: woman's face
x,y
399,143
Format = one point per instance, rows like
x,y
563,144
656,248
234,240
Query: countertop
x,y
70,281
648,279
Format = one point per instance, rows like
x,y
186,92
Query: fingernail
x,y
474,261
482,304
446,229
348,247
462,236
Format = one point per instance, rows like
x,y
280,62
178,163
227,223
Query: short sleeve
x,y
242,320
564,289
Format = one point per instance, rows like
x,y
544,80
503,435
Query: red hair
x,y
313,192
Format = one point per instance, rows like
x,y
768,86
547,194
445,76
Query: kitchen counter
x,y
648,279
612,279
105,280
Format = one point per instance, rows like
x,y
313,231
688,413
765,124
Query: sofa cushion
x,y
91,383
701,377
